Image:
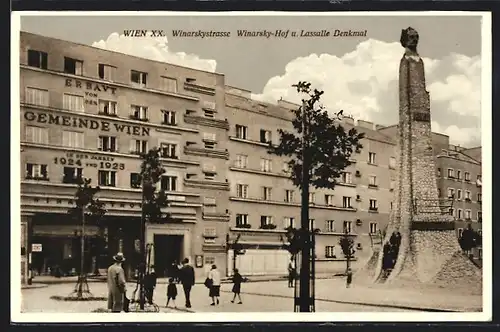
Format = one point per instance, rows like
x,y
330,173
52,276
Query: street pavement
x,y
273,296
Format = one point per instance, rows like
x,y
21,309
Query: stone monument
x,y
420,245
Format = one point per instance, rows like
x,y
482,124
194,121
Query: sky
x,y
357,74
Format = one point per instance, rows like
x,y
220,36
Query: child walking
x,y
237,279
171,292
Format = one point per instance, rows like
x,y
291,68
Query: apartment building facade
x,y
89,112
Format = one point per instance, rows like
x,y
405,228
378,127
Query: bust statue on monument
x,y
409,40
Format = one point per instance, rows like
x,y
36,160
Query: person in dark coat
x,y
150,284
171,292
174,271
292,273
237,280
186,276
349,278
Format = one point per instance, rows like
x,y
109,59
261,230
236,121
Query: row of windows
x,y
289,197
466,196
465,214
457,175
106,72
243,220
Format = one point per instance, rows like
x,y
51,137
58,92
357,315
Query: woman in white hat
x,y
116,284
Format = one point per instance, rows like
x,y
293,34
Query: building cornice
x,y
311,206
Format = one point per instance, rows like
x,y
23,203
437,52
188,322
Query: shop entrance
x,y
167,250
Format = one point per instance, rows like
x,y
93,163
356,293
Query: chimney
x,y
365,124
348,120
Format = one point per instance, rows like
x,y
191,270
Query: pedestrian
x,y
237,280
349,278
291,273
171,292
214,292
186,276
116,284
150,284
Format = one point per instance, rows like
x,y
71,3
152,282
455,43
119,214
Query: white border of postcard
x,y
486,109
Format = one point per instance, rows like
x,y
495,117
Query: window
x,y
373,205
107,143
346,177
106,72
459,213
34,96
467,176
459,194
209,234
138,146
373,228
37,135
479,216
107,107
392,163
346,202
460,232
371,158
209,145
330,252
347,226
107,178
210,175
169,118
168,150
391,205
266,220
138,78
451,193
241,132
36,171
168,183
467,214
312,224
209,205
241,161
373,181
73,139
265,165
72,174
242,190
451,173
459,175
266,193
329,200
451,211
168,84
289,196
73,66
330,225
73,102
439,192
438,173
37,59
241,219
288,222
209,113
139,113
135,180
467,195
265,136
479,197
312,198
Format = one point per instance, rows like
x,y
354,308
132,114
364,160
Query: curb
x,y
394,306
34,286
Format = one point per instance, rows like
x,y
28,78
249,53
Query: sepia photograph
x,y
251,166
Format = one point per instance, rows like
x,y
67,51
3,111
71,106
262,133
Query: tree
x,y
153,201
88,209
319,150
346,242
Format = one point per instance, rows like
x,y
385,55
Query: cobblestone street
x,y
273,296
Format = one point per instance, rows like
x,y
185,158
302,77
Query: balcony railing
x,y
246,226
37,178
71,179
373,209
137,118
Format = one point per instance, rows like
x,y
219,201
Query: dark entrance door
x,y
167,249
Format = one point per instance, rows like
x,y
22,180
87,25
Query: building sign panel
x,y
91,97
420,116
36,247
89,160
82,123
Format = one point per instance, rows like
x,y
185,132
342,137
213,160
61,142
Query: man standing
x,y
186,276
150,284
116,284
291,273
